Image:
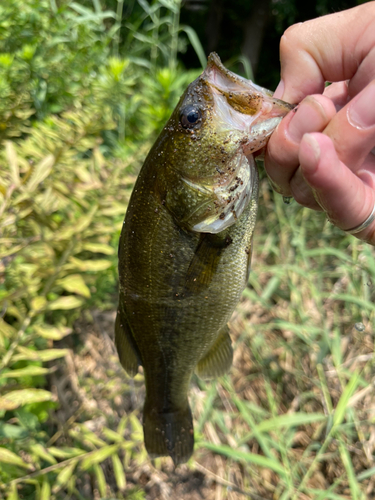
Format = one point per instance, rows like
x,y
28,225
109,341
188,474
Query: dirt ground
x,y
93,389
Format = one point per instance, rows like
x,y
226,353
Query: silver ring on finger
x,y
364,224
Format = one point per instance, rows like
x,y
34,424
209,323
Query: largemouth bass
x,y
185,247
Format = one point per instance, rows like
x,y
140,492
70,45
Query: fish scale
x,y
184,251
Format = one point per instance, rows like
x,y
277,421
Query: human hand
x,y
317,155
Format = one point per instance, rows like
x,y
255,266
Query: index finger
x,y
333,48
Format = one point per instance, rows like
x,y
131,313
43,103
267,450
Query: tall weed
x,y
76,120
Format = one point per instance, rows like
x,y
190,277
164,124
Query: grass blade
x,y
239,455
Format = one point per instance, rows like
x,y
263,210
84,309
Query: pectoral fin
x,y
125,345
219,358
205,261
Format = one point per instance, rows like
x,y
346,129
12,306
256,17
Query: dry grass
x,y
294,419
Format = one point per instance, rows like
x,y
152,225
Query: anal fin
x,y
219,358
124,344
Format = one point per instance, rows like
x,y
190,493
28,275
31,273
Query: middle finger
x,y
281,161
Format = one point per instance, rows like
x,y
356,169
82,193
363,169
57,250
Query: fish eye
x,y
190,116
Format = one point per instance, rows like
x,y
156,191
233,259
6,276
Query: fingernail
x,y
361,113
309,117
309,153
279,90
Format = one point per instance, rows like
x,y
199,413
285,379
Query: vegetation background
x,y
85,87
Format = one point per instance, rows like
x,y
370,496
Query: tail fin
x,y
169,434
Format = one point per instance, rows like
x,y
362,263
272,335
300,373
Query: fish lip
x,y
218,76
248,107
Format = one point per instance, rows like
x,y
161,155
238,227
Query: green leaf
x,y
6,330
365,474
10,431
45,491
347,393
238,455
346,297
197,46
15,399
42,453
90,265
28,371
64,475
66,303
13,493
8,457
24,354
290,420
13,162
119,473
52,332
65,452
247,66
102,485
112,435
99,247
38,304
40,172
74,283
98,456
347,462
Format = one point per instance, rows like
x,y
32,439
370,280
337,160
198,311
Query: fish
x,y
185,247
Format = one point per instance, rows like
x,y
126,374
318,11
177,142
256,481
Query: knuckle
x,y
300,197
290,38
303,194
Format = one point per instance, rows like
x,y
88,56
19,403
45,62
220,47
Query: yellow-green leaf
x,y
65,452
13,162
112,435
23,353
40,172
78,226
8,457
119,472
28,371
38,303
102,485
74,283
52,332
45,491
89,265
64,476
13,493
347,393
98,248
41,452
289,420
98,456
69,302
6,330
15,399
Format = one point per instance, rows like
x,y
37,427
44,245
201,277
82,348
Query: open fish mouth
x,y
246,114
242,105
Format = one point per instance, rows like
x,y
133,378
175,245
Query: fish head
x,y
219,122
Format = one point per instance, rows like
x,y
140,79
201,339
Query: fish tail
x,y
169,434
